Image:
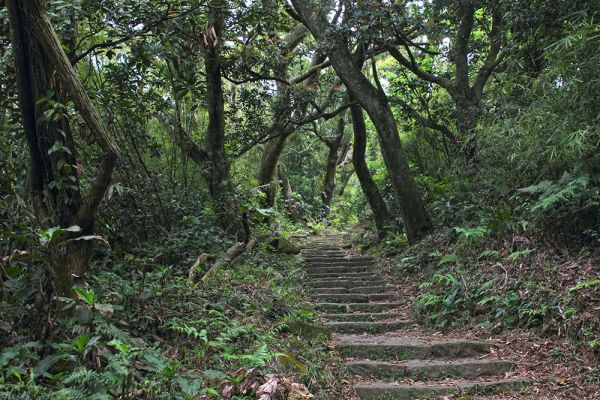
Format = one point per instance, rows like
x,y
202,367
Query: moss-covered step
x,y
353,297
424,370
380,390
337,269
338,263
349,283
357,307
333,288
341,298
346,317
355,276
392,348
367,326
331,258
367,289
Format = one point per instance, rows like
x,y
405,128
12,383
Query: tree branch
x,y
325,115
494,57
129,36
415,69
427,122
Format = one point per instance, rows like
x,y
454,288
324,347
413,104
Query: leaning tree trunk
x,y
55,189
368,185
375,102
270,159
218,177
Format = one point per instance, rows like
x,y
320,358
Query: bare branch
x,y
326,116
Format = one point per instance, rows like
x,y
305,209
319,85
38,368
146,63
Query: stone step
x,y
367,326
322,247
379,390
341,298
337,269
427,370
323,253
320,252
346,283
346,317
339,263
374,289
328,259
360,289
357,307
392,348
353,297
364,276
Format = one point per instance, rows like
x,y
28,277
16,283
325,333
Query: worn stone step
x,y
338,269
331,290
367,326
347,283
360,289
339,263
391,348
345,317
342,298
426,370
357,307
390,289
380,390
363,276
323,253
330,257
320,251
353,297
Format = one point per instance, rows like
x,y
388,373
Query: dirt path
x,y
361,307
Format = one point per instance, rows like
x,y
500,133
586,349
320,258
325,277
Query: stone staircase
x,y
359,305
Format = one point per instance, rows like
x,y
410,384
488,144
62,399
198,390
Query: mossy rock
x,y
283,245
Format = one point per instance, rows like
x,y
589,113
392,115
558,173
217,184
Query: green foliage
x,y
472,234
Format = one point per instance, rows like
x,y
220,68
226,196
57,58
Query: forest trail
x,y
359,304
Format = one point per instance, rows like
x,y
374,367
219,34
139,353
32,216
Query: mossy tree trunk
x,y
43,68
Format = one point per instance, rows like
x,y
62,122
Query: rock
x,y
283,245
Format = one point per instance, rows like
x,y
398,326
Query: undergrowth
x,y
141,330
468,278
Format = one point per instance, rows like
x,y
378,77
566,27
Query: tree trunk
x,y
467,114
416,219
55,189
345,175
218,178
270,159
289,204
282,125
332,163
368,185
